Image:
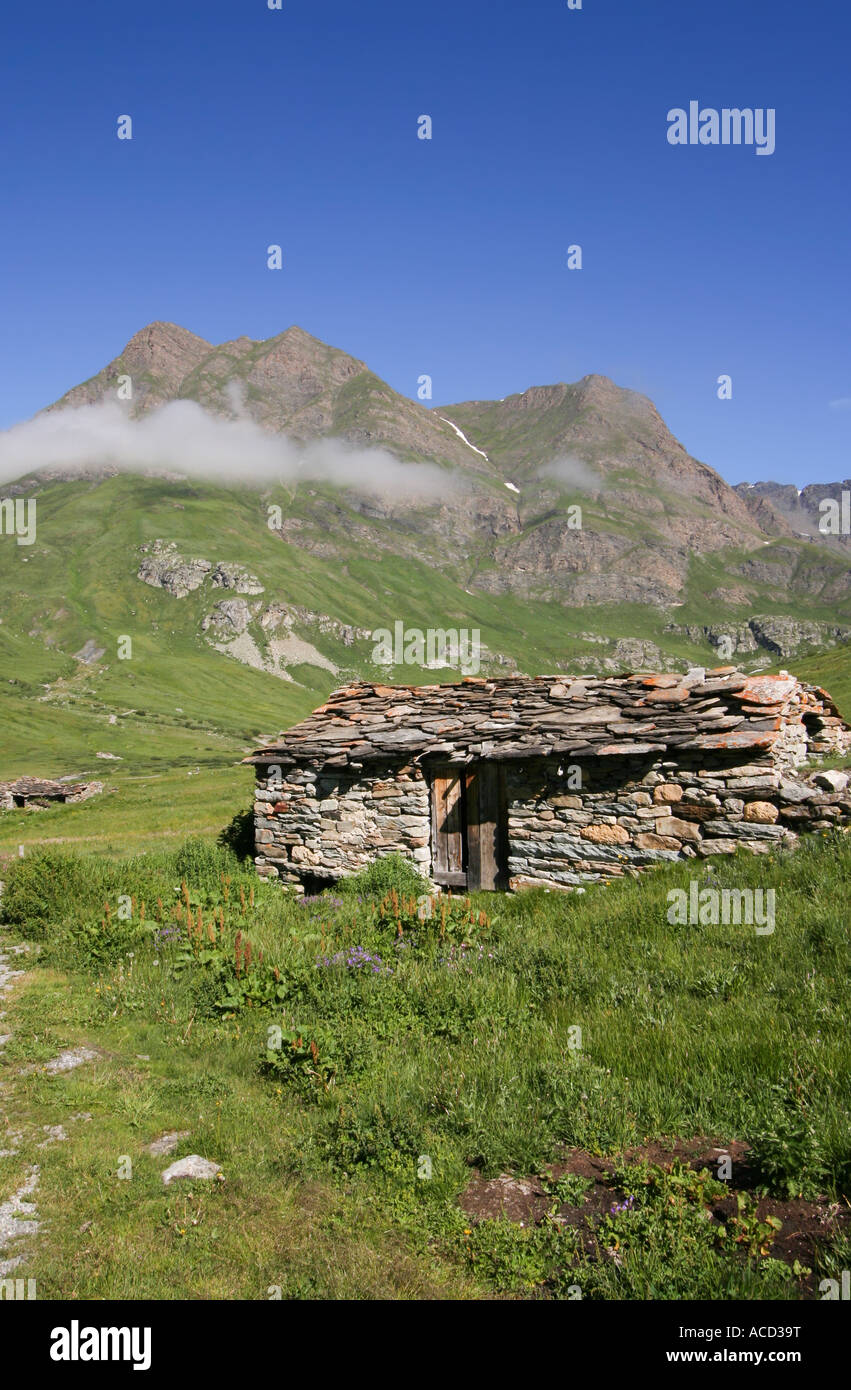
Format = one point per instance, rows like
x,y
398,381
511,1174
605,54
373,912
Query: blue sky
x,y
448,256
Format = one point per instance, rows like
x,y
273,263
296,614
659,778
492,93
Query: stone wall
x,y
324,825
628,815
629,812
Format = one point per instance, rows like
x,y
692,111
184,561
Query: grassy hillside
x,y
832,670
138,813
179,705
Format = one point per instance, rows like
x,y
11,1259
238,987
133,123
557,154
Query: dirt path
x,y
19,1217
17,1214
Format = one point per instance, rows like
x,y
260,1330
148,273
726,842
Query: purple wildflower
x,y
356,958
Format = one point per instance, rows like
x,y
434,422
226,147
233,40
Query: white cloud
x,y
571,473
181,437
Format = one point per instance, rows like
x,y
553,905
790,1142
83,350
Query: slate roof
x,y
521,717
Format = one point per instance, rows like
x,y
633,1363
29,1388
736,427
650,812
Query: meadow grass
x,y
352,1062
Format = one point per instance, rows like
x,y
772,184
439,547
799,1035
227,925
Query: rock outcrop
x,y
165,568
776,635
236,578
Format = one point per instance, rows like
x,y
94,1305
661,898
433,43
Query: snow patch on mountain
x,y
461,435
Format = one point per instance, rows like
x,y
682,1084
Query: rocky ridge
x,y
778,636
648,507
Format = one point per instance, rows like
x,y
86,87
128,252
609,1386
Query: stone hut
x,y
38,792
559,780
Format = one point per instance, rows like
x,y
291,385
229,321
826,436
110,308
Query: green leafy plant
x,y
306,1060
568,1190
96,944
201,863
787,1157
230,976
390,873
747,1230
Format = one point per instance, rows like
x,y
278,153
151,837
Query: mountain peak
x,y
297,341
160,334
165,352
595,381
298,334
600,390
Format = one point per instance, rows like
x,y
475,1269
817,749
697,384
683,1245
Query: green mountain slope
x,y
237,630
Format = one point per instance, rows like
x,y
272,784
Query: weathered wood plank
x,y
486,823
448,820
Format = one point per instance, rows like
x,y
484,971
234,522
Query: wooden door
x,y
486,826
449,827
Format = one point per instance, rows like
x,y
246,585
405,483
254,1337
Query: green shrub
x,y
46,887
201,863
238,835
390,872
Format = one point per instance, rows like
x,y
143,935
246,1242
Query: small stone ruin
x,y
35,793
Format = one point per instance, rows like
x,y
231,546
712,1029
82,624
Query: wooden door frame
x,y
484,854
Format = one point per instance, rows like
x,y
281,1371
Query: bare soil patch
x,y
807,1226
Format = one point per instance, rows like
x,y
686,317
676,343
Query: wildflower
x,y
357,958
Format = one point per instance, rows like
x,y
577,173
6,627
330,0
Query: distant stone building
x,y
37,792
514,782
